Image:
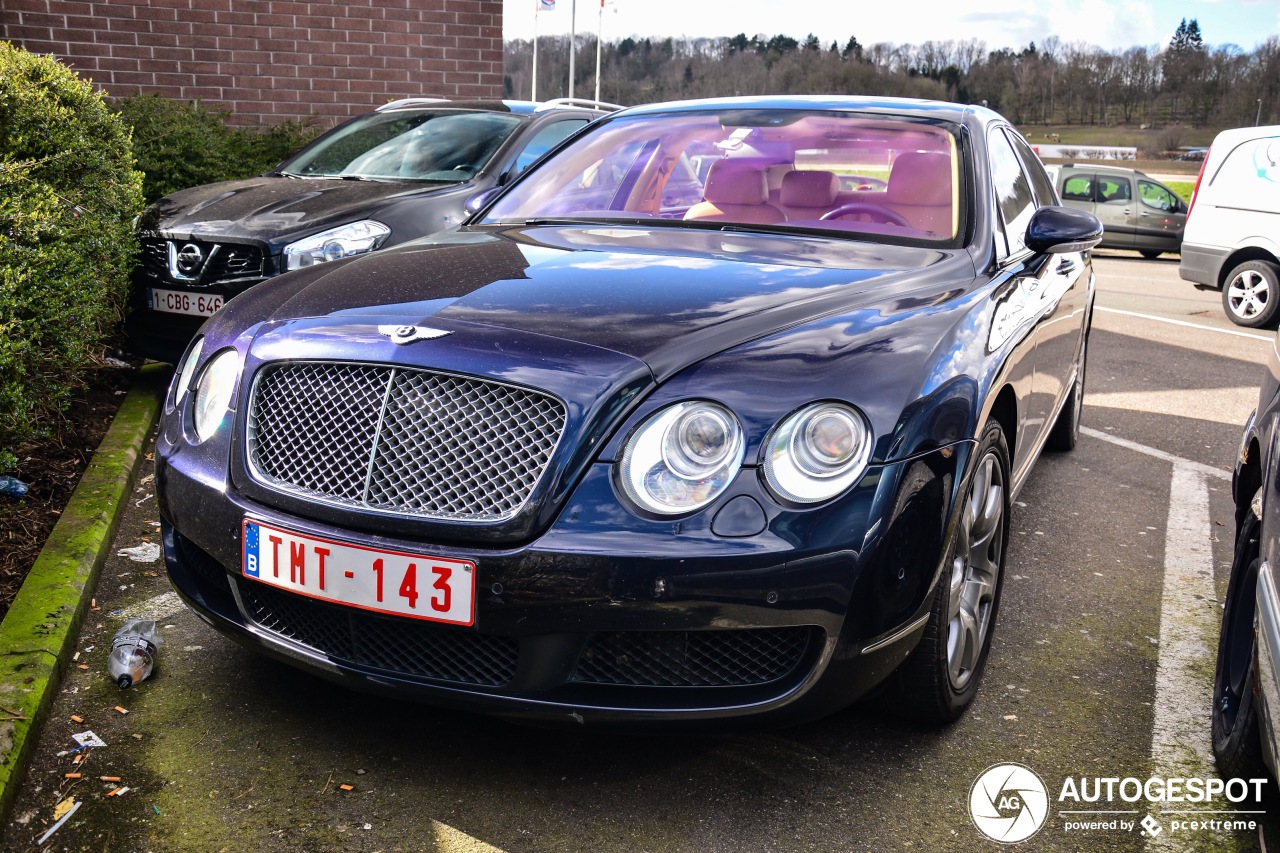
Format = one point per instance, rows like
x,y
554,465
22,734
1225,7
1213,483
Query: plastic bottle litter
x,y
12,486
133,651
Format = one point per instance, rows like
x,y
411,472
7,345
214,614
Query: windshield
x,y
414,145
784,169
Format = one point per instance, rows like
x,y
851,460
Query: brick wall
x,y
268,60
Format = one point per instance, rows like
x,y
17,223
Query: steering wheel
x,y
875,211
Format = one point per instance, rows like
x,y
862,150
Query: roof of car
x,y
908,106
1099,167
504,106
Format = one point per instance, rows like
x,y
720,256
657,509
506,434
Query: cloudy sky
x,y
1109,24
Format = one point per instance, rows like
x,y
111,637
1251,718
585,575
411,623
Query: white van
x,y
1232,237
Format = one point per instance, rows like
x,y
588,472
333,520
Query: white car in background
x,y
1232,238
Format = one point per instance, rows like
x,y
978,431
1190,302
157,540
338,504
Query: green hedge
x,y
187,144
68,194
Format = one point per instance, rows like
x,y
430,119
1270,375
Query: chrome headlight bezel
x,y
344,241
214,392
681,458
817,452
182,382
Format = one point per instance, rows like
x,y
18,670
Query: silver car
x,y
1136,210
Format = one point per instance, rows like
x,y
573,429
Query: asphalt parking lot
x,y
1100,668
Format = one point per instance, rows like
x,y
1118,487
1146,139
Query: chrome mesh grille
x,y
410,442
400,646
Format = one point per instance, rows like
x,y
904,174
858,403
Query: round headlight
x,y
188,368
817,452
213,392
681,458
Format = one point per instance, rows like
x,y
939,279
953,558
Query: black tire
x,y
1251,294
1066,429
1237,743
1150,254
937,683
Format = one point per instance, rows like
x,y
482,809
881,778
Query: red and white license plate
x,y
180,302
437,589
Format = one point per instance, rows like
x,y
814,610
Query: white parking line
x,y
1189,624
1198,467
1173,322
1189,619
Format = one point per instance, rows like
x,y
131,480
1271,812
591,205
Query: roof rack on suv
x,y
578,102
410,102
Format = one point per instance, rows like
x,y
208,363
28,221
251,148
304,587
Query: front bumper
x,y
602,617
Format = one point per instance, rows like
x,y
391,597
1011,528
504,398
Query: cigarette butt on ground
x,y
71,775
122,710
76,718
109,778
117,792
346,788
84,666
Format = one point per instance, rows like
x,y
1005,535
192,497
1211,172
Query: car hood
x,y
595,316
663,296
269,208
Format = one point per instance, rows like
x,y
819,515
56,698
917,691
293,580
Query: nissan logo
x,y
189,259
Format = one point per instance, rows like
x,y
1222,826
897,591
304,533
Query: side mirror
x,y
479,200
1056,230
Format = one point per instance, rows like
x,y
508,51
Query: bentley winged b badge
x,y
409,334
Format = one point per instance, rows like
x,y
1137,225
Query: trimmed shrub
x,y
68,194
180,144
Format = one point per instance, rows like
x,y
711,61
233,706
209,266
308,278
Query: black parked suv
x,y
403,171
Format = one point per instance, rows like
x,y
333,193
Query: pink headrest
x,y
809,189
920,178
734,182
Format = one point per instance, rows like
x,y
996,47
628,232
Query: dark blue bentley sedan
x,y
717,412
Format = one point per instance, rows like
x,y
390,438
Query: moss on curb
x,y
37,633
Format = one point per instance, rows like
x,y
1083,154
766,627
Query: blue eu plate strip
x,y
251,537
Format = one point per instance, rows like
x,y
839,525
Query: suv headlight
x,y
817,452
681,458
335,244
214,391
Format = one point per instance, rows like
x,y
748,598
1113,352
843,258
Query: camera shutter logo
x,y
1009,803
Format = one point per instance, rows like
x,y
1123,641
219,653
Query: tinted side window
x,y
544,140
1040,183
1078,188
1013,191
1114,190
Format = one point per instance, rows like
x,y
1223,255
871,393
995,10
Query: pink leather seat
x,y
808,194
920,190
735,192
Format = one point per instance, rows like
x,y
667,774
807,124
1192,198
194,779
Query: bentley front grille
x,y
409,442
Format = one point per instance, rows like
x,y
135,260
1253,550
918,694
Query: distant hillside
x,y
1186,91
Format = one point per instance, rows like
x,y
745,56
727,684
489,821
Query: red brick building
x,y
268,60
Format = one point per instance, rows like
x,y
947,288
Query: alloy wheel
x,y
1248,294
975,571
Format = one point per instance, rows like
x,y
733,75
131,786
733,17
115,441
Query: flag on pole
x,y
546,5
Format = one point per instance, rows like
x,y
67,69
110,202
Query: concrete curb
x,y
38,632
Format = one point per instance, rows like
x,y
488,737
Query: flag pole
x,y
533,89
599,39
573,40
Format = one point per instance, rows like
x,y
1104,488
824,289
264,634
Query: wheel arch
x,y
1240,256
